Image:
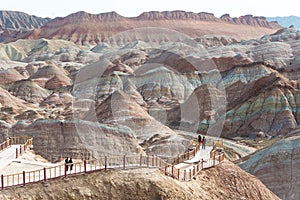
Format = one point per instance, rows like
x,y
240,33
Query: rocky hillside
x,y
216,84
15,24
278,167
19,20
225,181
91,29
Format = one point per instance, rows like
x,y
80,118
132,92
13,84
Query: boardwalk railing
x,y
190,154
191,172
23,141
106,163
5,144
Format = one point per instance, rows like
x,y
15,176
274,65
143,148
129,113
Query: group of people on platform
x,y
69,164
202,141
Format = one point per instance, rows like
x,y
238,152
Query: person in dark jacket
x,y
66,163
199,138
71,164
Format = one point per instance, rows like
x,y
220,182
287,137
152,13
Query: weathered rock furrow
x,y
278,167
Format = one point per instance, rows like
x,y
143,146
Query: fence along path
x,y
114,162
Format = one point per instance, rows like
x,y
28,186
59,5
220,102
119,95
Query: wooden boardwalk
x,y
184,168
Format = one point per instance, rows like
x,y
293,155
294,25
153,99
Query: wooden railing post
x,y
105,163
24,178
2,181
141,157
17,152
147,161
156,161
45,177
172,171
214,159
65,170
166,166
124,161
84,166
152,161
194,171
184,175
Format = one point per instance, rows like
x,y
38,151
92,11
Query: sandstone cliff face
x,y
222,182
155,137
54,139
270,97
278,167
176,15
83,28
250,20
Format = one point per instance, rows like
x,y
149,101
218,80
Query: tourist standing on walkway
x,y
66,163
71,164
199,138
203,142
